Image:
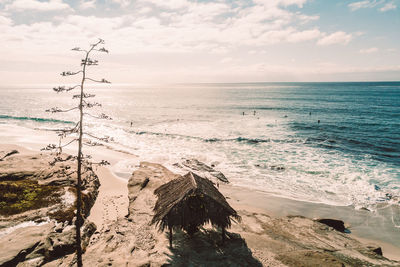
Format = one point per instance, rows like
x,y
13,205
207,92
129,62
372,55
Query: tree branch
x,y
60,89
89,62
97,81
79,49
84,96
73,140
56,110
101,50
104,139
69,73
91,105
101,116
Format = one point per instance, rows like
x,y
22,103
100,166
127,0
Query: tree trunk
x,y
78,223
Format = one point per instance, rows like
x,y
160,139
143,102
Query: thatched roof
x,y
191,201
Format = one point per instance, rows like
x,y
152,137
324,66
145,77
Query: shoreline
x,y
112,201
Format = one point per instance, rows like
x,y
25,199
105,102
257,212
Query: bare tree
x,y
77,130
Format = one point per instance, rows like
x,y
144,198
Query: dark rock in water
x,y
177,165
377,188
364,208
335,224
200,168
278,168
388,196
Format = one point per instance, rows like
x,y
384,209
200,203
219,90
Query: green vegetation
x,y
20,196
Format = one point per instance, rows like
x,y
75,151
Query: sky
x,y
183,41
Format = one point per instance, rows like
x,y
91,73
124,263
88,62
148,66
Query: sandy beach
x,y
112,204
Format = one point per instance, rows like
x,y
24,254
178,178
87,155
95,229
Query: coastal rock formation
x,y
299,241
335,224
202,170
258,240
37,207
133,241
129,239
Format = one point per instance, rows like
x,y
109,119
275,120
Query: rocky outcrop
x,y
202,170
338,225
299,241
37,207
258,240
37,245
133,241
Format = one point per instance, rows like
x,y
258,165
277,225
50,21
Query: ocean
x,y
332,143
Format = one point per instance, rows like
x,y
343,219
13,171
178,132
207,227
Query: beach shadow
x,y
206,248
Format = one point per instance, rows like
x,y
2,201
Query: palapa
x,y
189,202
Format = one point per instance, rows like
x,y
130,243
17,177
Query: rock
x,y
335,224
375,249
43,190
259,240
202,169
277,168
4,154
39,189
17,245
144,183
58,228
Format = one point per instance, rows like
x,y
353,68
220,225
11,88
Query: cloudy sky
x,y
164,41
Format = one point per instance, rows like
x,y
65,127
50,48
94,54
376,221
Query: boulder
x,y
37,207
375,249
338,225
202,170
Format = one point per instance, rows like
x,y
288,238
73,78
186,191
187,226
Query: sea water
x,y
333,143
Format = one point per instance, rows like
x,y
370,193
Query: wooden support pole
x,y
170,237
223,235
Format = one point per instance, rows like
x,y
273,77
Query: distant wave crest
x,y
7,117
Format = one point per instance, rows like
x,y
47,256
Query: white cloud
x,y
212,27
122,3
305,18
167,4
226,60
369,50
87,4
335,38
4,21
34,5
384,5
364,4
284,3
388,6
184,33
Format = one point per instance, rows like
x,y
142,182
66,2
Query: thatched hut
x,y
189,202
